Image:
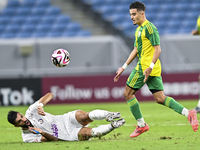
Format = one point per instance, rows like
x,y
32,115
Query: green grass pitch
x,y
168,129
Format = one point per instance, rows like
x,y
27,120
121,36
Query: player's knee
x,y
159,100
126,95
84,134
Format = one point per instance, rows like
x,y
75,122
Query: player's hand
x,y
119,72
35,130
41,111
147,72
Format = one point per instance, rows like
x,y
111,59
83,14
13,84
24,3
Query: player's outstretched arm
x,y
46,98
131,57
43,101
45,136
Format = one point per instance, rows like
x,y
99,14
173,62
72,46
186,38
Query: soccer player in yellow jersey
x,y
148,70
197,32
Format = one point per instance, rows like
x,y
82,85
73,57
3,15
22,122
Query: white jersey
x,y
64,127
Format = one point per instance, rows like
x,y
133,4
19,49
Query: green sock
x,y
171,103
135,108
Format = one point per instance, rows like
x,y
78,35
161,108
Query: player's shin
x,y
101,130
171,103
135,110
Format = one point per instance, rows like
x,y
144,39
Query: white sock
x,y
101,130
98,114
141,122
185,112
198,105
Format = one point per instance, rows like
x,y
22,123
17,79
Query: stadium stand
x,y
36,18
170,17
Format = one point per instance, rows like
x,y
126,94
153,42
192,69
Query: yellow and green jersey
x,y
198,24
147,36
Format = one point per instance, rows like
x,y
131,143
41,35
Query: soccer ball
x,y
60,58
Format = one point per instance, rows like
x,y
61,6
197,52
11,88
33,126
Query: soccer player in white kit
x,y
39,126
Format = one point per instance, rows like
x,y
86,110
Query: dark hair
x,y
138,5
12,115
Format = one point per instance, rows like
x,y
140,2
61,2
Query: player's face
x,y
136,16
21,121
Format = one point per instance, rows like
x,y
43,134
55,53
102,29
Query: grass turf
x,y
168,129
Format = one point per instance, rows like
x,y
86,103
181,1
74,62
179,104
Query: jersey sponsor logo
x,y
55,130
40,121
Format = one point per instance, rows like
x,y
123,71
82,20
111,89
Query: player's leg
x,y
85,118
156,86
134,83
86,133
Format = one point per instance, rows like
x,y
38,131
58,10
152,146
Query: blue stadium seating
x,y
169,16
63,19
4,20
18,20
13,4
28,3
53,10
38,11
23,11
36,18
42,3
83,33
73,26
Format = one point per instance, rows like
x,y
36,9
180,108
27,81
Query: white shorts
x,y
72,125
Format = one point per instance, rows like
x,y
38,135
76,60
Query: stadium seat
x,y
69,33
63,19
23,11
13,3
39,34
8,12
167,7
8,35
163,15
28,3
182,6
106,11
12,28
58,27
29,27
4,20
53,11
33,19
170,31
18,20
194,6
42,3
54,34
73,26
23,34
48,19
173,24
2,27
43,27
84,33
38,11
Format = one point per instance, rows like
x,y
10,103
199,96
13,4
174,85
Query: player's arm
x,y
43,101
45,136
195,32
156,55
131,57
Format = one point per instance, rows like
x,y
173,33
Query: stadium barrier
x,y
91,89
